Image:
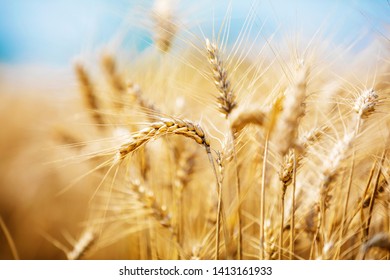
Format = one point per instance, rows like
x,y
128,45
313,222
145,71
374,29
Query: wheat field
x,y
206,144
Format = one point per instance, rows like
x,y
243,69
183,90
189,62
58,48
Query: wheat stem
x,y
372,200
292,218
262,198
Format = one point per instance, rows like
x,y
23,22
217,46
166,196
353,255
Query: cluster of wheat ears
x,y
207,149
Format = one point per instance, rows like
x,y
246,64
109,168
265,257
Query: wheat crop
x,y
284,154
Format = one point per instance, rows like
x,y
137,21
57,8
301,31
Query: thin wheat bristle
x,y
226,100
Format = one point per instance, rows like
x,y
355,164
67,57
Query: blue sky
x,y
54,32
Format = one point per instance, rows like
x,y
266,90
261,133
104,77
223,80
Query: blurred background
x,y
54,32
39,40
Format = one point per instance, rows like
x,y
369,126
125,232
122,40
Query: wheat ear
x,y
163,127
246,117
164,23
329,173
365,104
226,100
88,92
286,177
148,201
293,110
115,80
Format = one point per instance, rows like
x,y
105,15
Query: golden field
x,y
199,148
